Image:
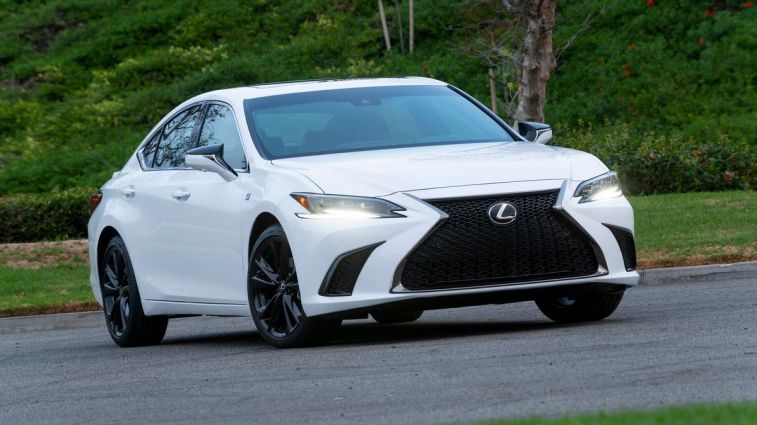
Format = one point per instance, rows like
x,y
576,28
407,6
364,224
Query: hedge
x,y
45,216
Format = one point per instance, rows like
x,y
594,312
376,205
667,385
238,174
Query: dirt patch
x,y
651,259
75,307
34,255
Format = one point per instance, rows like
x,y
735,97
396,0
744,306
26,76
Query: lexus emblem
x,y
502,213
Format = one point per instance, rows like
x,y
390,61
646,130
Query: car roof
x,y
287,87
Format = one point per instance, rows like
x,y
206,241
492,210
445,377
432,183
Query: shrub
x,y
45,216
649,162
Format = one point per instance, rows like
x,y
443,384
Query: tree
x,y
537,20
411,29
382,14
514,40
411,24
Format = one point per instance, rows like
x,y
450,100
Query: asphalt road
x,y
667,344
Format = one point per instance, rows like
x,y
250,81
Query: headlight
x,y
601,187
335,206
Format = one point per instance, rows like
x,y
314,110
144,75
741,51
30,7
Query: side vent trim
x,y
343,273
625,240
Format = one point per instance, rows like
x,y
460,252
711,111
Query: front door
x,y
207,232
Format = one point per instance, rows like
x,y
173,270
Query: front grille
x,y
626,244
469,250
343,274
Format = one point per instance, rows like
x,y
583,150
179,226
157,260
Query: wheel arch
x,y
263,221
102,242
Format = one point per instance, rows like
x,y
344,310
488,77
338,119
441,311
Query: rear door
x,y
157,195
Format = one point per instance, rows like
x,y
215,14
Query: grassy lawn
x,y
44,277
44,290
671,230
695,228
725,414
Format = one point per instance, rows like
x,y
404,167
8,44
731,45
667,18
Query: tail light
x,y
94,201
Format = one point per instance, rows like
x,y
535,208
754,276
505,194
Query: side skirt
x,y
173,308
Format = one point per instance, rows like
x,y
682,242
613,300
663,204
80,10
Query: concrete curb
x,y
697,273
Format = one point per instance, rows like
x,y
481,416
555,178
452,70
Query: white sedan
x,y
307,203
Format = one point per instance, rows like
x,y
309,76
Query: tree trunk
x,y
493,90
538,62
383,25
411,23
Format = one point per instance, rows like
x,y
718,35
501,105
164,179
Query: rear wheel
x,y
127,323
581,308
274,295
389,317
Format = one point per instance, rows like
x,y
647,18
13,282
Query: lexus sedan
x,y
307,203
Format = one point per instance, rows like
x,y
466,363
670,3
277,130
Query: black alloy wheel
x,y
274,295
126,321
116,291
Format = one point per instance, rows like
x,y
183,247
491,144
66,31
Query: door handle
x,y
180,195
129,192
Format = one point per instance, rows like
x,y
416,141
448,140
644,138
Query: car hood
x,y
382,172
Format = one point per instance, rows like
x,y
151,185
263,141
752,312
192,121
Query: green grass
x,y
47,289
723,414
696,228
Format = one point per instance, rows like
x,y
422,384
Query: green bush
x,y
47,216
648,162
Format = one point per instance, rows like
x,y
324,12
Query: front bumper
x,y
317,243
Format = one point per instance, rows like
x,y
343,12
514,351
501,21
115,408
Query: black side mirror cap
x,y
535,131
210,158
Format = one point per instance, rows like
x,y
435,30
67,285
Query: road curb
x,y
699,273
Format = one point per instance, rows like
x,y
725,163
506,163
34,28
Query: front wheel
x,y
274,295
582,308
127,323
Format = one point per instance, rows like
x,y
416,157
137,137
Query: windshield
x,y
357,119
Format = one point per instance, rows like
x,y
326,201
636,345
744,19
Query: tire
x,y
274,295
389,317
122,305
583,308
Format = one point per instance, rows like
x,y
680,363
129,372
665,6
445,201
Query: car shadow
x,y
367,333
373,333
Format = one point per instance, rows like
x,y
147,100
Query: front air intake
x,y
343,274
627,246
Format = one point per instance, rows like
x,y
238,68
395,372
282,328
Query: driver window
x,y
221,128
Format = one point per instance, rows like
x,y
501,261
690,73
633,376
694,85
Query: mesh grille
x,y
344,272
469,250
627,246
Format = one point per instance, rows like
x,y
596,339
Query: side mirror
x,y
535,132
210,158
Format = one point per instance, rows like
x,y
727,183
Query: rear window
x,y
348,120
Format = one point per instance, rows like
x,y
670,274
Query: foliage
x,y
732,414
82,81
659,163
45,216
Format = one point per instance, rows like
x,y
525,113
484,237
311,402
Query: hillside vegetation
x,y
665,92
